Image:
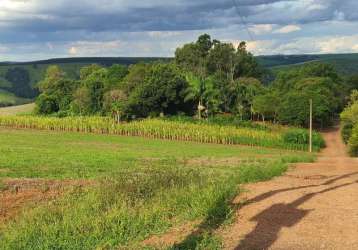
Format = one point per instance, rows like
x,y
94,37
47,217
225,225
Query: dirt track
x,y
314,206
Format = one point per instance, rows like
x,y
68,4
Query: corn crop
x,y
155,128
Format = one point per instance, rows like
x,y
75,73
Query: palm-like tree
x,y
200,89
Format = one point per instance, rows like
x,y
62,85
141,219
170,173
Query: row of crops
x,y
158,129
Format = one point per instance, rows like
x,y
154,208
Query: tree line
x,y
207,77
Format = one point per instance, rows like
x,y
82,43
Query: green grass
x,y
33,154
142,187
9,99
25,109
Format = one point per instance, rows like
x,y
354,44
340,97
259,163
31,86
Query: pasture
x,y
131,188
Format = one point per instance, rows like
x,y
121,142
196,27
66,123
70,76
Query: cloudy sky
x,y
41,29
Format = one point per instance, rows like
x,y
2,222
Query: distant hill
x,y
20,78
346,64
9,99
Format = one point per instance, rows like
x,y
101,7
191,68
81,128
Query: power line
x,y
243,20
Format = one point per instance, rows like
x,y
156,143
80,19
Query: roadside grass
x,y
143,188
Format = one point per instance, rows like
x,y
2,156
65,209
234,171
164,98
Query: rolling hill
x,y
346,64
9,99
20,78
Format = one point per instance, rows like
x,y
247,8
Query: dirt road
x,y
314,206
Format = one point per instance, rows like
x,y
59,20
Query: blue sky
x,y
41,29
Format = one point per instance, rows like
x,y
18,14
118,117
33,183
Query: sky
x,y
42,29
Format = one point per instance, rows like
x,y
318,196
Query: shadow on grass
x,y
203,237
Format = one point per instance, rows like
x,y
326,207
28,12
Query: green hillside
x,y
346,64
21,78
9,99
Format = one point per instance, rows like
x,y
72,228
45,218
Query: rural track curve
x,y
313,206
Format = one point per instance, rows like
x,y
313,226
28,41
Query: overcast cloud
x,y
40,29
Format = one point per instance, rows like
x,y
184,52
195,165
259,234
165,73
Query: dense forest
x,y
207,77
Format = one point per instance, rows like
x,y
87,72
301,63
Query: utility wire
x,y
243,20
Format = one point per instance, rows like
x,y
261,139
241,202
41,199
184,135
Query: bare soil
x,y
313,206
18,194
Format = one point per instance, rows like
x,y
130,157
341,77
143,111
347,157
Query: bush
x,y
46,104
301,136
353,142
346,131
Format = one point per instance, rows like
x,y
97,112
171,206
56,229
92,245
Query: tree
x,y
190,59
266,105
204,44
162,92
53,74
222,60
245,64
56,88
86,71
95,83
243,92
135,77
46,104
115,103
116,73
81,101
294,108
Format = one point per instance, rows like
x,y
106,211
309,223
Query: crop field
x,y
160,129
131,188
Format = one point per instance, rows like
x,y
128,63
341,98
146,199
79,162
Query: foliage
x,y
353,141
20,83
349,118
301,136
207,77
346,132
162,91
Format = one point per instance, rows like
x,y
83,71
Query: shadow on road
x,y
272,220
269,222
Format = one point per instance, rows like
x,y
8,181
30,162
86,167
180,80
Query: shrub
x,y
346,131
301,136
353,142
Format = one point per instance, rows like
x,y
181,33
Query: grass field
x,y
140,187
18,110
9,99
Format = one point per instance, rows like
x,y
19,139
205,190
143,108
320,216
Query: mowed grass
x,y
143,187
42,154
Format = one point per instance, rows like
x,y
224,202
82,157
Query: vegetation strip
x,y
154,128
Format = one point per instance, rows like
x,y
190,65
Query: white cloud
x,y
288,29
92,48
261,47
72,51
260,29
338,44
